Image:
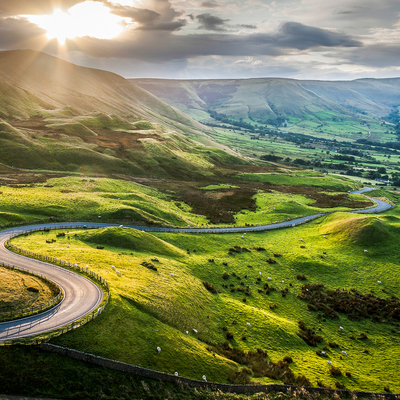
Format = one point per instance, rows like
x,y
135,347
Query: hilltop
x,y
58,116
269,98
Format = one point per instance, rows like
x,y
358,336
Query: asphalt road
x,y
81,295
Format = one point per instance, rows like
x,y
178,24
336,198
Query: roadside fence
x,y
83,270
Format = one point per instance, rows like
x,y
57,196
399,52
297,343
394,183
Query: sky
x,y
212,39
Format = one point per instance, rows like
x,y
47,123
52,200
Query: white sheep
x,y
301,240
323,353
175,373
194,330
269,278
68,245
324,235
344,352
242,237
365,251
341,328
248,323
379,282
172,274
118,272
188,226
283,281
158,349
204,378
99,216
260,273
329,362
187,332
112,266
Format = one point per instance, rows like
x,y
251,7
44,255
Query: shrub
x,y
333,345
229,335
225,276
241,377
348,374
308,335
210,287
99,247
61,234
301,277
288,359
32,289
271,261
335,371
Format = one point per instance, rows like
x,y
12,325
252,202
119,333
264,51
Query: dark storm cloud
x,y
158,16
211,22
159,48
247,26
30,7
140,15
302,37
165,26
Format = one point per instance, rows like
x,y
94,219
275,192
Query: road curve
x,y
81,295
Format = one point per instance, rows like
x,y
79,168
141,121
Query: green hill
x,y
266,98
61,117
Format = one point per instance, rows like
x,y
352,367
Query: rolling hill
x,y
263,99
58,116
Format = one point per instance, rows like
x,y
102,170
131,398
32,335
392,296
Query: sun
x,y
85,19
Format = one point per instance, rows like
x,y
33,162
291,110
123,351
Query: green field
x,y
157,308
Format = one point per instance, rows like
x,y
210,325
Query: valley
x,y
311,305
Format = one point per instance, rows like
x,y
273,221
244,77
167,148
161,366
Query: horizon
x,y
212,39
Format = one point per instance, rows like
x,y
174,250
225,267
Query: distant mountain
x,y
266,98
59,116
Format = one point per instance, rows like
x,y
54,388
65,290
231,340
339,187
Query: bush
x,y
225,276
229,335
210,287
301,277
335,371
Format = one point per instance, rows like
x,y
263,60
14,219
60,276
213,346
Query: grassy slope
x,y
157,308
14,293
85,199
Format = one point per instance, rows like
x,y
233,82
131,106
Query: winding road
x,y
82,296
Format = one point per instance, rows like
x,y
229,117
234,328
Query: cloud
x,y
211,22
31,7
19,33
209,4
247,26
302,37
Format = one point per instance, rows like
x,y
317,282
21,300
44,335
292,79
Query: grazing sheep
x,y
172,274
329,362
187,332
344,352
379,282
175,373
99,216
324,235
204,378
158,349
269,278
248,323
301,240
365,251
283,281
260,272
118,273
242,237
194,330
188,226
112,266
68,245
341,328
